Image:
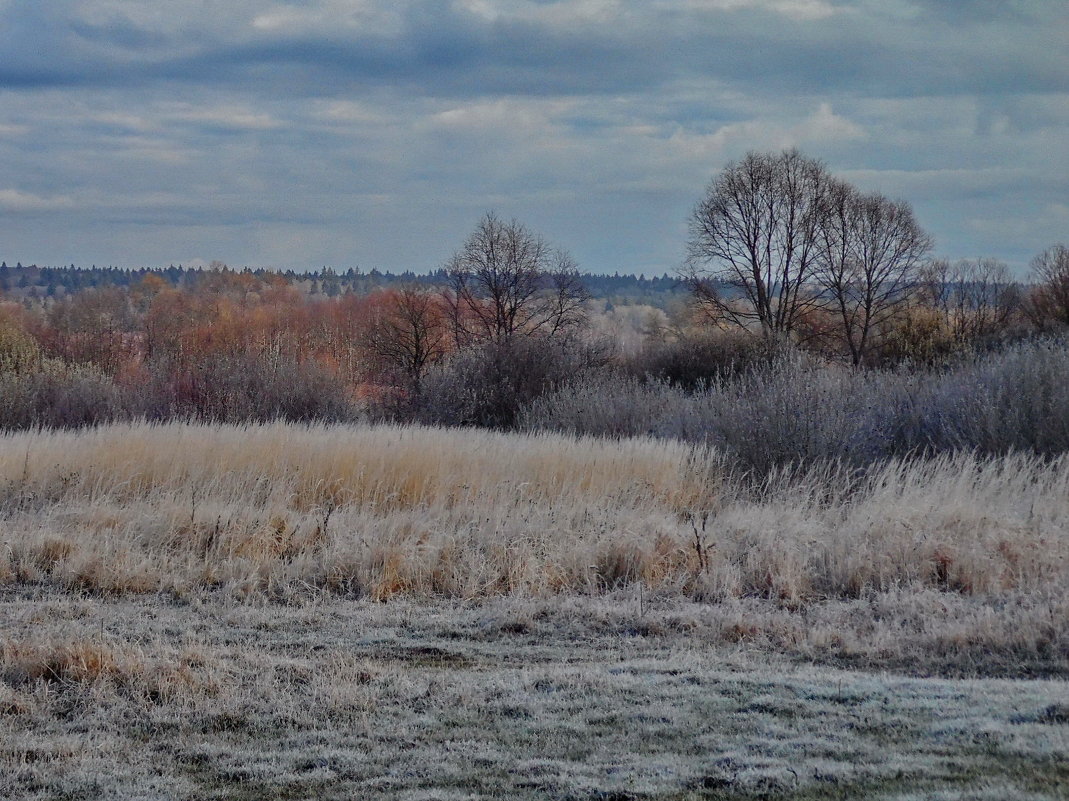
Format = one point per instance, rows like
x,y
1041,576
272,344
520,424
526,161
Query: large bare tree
x,y
754,241
871,256
506,280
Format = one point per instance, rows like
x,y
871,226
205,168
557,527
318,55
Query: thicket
x,y
797,408
969,363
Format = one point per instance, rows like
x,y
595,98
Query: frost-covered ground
x,y
208,697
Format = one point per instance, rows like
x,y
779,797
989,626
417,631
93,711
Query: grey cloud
x,y
986,11
122,34
160,129
441,50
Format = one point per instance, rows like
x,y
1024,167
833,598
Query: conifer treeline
x,y
34,283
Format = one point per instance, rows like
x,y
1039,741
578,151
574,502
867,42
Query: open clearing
x,y
194,612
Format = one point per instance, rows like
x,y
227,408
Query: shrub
x,y
488,385
244,388
700,358
1013,400
59,397
797,409
19,352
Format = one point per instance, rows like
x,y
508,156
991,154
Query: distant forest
x,y
35,283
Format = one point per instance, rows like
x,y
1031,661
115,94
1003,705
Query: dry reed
x,y
382,510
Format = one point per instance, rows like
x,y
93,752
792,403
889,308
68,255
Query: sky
x,y
376,133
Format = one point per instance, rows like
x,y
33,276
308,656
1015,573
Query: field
x,y
288,611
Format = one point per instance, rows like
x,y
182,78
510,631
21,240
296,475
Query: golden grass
x,y
101,663
377,511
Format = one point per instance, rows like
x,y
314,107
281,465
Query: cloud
x,y
376,132
793,9
227,119
822,127
15,201
330,47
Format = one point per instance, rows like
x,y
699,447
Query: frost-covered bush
x,y
799,409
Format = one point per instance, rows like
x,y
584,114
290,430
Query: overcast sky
x,y
375,133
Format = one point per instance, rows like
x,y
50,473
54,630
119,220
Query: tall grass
x,y
377,511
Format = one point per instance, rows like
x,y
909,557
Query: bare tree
x,y
755,234
1050,297
975,297
408,333
506,280
93,327
871,254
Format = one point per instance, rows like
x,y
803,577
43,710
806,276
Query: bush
x,y
489,385
245,388
59,398
795,409
18,351
700,358
230,389
1013,400
800,410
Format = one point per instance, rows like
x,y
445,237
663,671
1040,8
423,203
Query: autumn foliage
x,y
231,346
504,327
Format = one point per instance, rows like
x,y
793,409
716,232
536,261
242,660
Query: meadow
x,y
285,610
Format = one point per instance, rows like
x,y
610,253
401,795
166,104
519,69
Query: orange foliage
x,y
155,329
